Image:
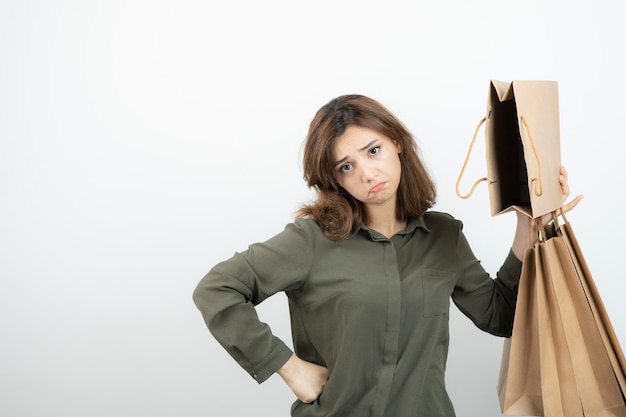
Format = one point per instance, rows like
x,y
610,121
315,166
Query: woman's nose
x,y
368,172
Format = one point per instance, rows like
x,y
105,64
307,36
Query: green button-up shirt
x,y
373,310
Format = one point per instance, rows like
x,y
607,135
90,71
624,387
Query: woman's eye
x,y
345,168
374,150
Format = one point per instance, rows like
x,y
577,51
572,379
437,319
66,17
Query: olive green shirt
x,y
373,310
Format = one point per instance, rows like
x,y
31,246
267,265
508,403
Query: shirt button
x,y
255,376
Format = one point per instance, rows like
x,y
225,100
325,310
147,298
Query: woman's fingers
x,y
569,206
563,176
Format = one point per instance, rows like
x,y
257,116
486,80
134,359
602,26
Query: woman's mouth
x,y
377,188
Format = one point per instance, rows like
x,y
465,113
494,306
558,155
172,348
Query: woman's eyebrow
x,y
360,150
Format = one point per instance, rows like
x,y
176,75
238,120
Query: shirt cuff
x,y
272,363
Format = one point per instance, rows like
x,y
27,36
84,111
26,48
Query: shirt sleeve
x,y
228,294
488,302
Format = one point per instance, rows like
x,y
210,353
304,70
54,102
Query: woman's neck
x,y
383,220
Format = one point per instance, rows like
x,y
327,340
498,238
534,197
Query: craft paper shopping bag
x,y
519,384
609,337
522,141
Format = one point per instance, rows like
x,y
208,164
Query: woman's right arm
x,y
228,294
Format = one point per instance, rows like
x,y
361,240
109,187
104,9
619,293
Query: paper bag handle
x,y
469,151
538,179
541,228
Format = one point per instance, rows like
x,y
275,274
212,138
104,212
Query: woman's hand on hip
x,y
306,379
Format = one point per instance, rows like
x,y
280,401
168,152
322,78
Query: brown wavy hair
x,y
337,212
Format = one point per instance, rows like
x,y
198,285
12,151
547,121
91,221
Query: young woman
x,y
369,272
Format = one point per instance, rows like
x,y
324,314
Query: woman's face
x,y
367,165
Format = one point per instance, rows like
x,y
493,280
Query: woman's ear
x,y
398,146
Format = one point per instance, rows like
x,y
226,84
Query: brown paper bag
x,y
560,396
519,384
578,369
593,379
601,379
522,136
536,378
609,338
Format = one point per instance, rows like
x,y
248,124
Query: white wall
x,y
141,142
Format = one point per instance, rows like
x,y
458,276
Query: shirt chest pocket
x,y
437,288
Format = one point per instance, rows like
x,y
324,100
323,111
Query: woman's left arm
x,y
525,231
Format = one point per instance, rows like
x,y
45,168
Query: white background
x,y
141,142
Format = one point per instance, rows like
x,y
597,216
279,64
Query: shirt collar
x,y
412,224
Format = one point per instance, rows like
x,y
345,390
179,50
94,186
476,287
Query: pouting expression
x,y
367,165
